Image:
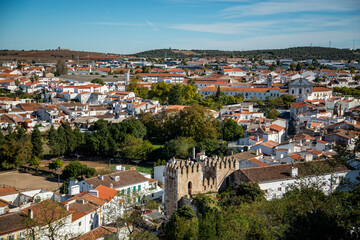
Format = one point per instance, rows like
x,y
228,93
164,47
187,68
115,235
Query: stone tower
x,y
184,178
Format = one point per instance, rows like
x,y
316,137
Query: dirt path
x,y
27,181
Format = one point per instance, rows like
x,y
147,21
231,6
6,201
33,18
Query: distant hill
x,y
296,53
53,55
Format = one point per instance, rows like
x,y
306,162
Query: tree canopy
x,y
98,81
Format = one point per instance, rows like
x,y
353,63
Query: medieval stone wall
x,y
184,178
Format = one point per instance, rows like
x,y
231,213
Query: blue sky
x,y
133,26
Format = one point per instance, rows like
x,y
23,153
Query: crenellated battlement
x,y
221,163
209,184
177,167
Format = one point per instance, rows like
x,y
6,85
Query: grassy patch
x,y
128,166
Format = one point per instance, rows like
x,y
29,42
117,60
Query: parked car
x,y
147,211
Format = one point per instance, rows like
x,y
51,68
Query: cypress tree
x,y
37,143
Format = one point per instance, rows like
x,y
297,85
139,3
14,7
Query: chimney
x,y
67,207
101,177
117,178
111,185
294,171
31,213
194,154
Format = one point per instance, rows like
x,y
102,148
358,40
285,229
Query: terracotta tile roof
x,y
30,106
349,134
106,193
269,144
276,127
315,152
282,171
76,215
298,104
321,141
213,88
160,75
46,210
88,198
296,157
7,191
129,177
304,136
3,203
97,233
321,89
11,222
244,155
257,162
315,124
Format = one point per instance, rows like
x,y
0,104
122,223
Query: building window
x,y
279,189
79,223
134,188
128,190
265,191
123,191
139,187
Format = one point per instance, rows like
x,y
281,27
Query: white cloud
x,y
338,38
278,7
224,27
152,25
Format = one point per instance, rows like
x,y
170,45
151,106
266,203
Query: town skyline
x,y
127,28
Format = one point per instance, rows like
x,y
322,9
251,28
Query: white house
x,y
276,180
126,182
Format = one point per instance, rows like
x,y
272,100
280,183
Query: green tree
x,y
61,68
160,91
15,153
56,164
298,67
135,148
37,143
183,225
98,81
52,139
175,95
35,161
179,147
273,114
212,147
244,193
196,122
76,169
231,130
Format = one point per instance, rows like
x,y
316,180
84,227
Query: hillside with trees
x,y
295,53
